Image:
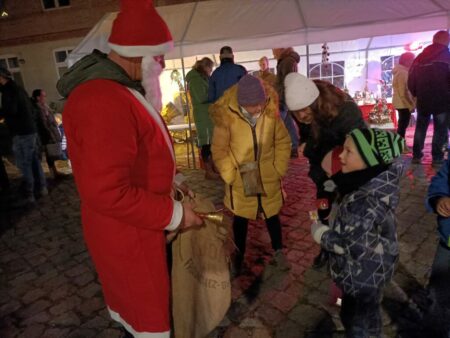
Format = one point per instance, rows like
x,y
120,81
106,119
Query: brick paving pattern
x,y
49,288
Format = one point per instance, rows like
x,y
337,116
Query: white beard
x,y
151,70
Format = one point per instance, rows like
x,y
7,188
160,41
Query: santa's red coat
x,y
123,164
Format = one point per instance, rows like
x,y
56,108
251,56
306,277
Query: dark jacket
x,y
429,80
440,187
46,124
362,241
332,134
17,109
225,76
287,63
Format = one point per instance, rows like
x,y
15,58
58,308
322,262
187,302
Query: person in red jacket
x,y
124,168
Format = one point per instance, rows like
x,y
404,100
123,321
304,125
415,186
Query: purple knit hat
x,y
250,91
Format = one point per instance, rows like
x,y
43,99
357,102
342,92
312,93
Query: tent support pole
x,y
307,60
367,61
191,139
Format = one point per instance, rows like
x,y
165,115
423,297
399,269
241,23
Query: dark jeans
x,y
27,160
440,135
439,283
4,181
206,152
240,227
361,315
404,115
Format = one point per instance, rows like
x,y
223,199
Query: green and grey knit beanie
x,y
377,146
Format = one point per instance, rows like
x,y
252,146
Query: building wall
x,y
38,67
32,34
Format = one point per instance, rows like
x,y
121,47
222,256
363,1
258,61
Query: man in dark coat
x,y
429,81
17,111
225,76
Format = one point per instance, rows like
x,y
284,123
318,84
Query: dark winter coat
x,y
225,76
429,80
331,135
440,187
362,241
47,126
287,63
198,90
17,109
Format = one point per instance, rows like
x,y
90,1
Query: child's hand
x,y
317,230
443,207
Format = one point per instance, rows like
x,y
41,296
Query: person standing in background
x,y
264,72
17,110
429,82
224,76
47,128
197,81
287,62
402,99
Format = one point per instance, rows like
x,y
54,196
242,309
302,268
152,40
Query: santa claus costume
x,y
124,168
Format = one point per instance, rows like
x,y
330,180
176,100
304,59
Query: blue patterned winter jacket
x,y
440,187
362,241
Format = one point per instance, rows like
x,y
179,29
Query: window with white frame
x,y
387,64
333,72
53,4
60,56
12,63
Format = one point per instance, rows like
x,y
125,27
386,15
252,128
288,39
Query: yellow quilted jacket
x,y
235,142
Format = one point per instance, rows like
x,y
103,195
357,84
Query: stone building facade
x,y
37,35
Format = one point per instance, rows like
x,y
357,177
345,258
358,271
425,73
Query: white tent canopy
x,y
203,27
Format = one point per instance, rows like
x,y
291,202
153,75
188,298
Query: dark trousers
x,y
404,115
240,227
440,135
361,315
206,152
4,181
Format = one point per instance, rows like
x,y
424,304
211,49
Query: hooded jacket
x,y
362,241
17,109
402,98
287,63
198,90
440,187
123,165
236,142
429,80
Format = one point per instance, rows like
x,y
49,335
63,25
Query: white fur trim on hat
x,y
138,51
299,91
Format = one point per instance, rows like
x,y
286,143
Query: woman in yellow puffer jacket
x,y
247,128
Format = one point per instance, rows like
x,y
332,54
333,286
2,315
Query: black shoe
x,y
416,160
294,153
436,164
320,260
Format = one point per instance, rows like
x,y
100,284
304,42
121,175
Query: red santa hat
x,y
138,30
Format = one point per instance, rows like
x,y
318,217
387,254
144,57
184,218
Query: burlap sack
x,y
201,290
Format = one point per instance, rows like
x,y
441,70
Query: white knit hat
x,y
299,91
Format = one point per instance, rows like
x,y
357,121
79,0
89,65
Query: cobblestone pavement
x,y
49,288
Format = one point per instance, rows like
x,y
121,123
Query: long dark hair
x,y
326,107
201,65
36,93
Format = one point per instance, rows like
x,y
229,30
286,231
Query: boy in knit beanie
x,y
361,241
